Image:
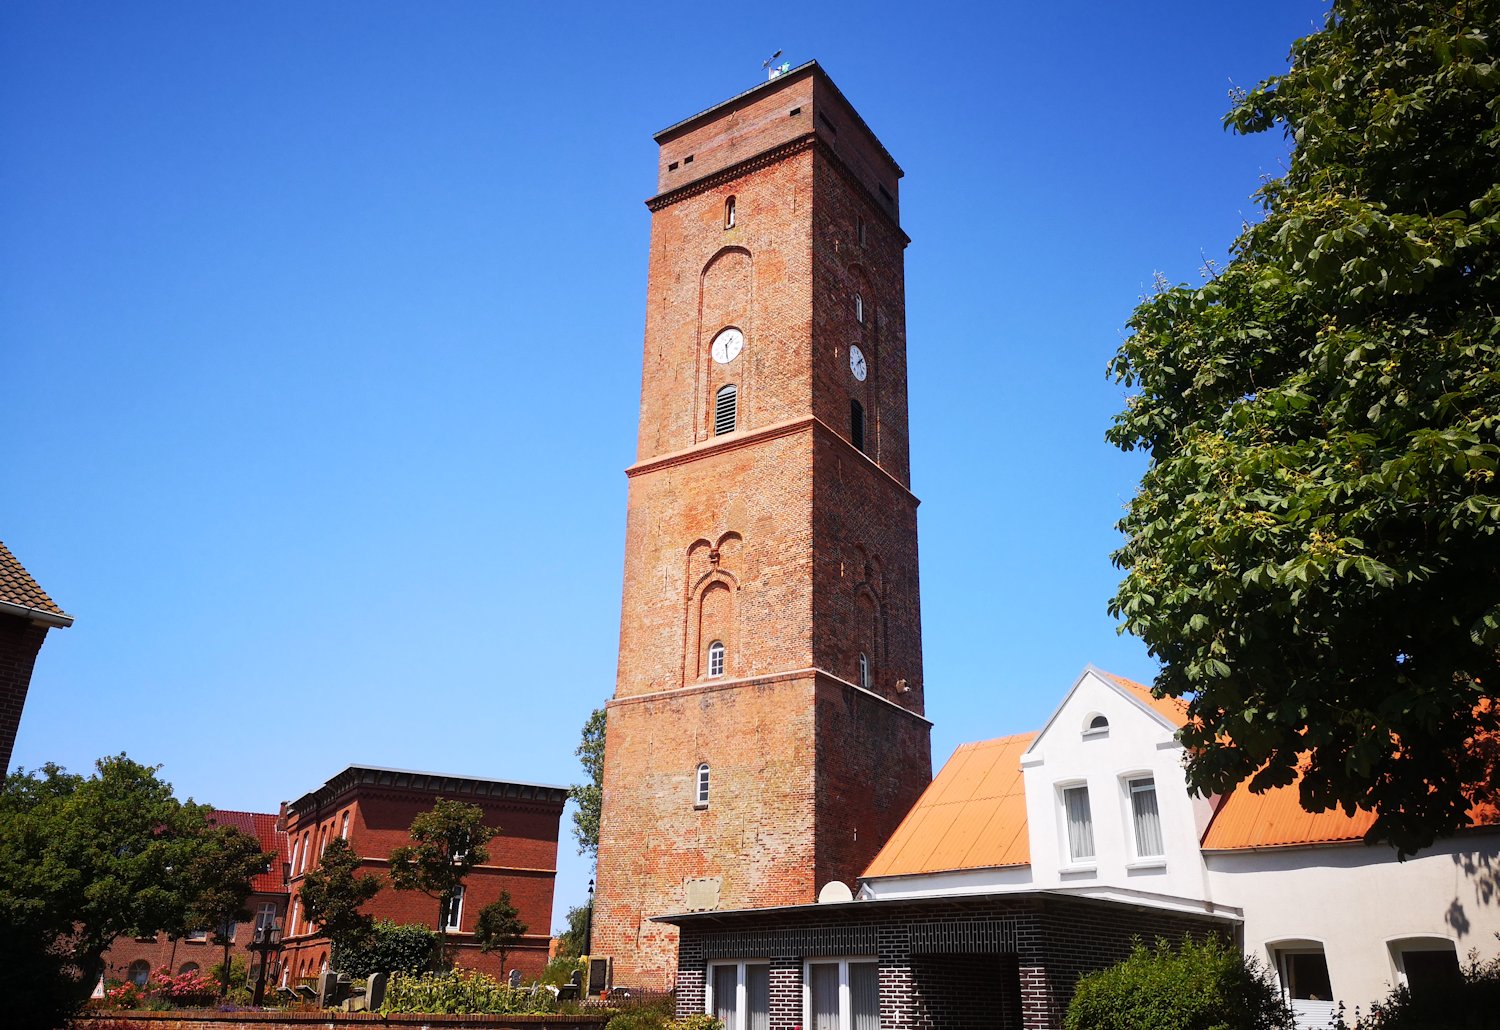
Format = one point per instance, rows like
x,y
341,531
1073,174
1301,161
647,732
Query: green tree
x,y
332,895
1207,986
1313,554
86,860
499,927
447,843
588,797
571,941
390,948
219,876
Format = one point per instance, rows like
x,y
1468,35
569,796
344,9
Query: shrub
x,y
462,992
1473,1005
1207,986
559,970
184,990
389,948
657,1015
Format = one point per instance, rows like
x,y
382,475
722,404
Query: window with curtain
x,y
1146,817
843,994
740,995
1080,823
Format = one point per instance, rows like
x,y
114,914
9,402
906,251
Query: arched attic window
x,y
726,403
1096,725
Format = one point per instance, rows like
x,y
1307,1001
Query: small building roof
x,y
21,595
261,826
972,815
448,784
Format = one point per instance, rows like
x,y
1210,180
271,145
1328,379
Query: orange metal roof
x,y
972,816
1172,708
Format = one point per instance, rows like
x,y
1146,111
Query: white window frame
x,y
729,206
717,654
455,906
1090,730
865,679
741,1019
846,999
1131,783
265,915
700,786
1074,863
344,826
859,309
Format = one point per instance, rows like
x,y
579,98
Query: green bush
x,y
389,948
461,992
1473,1005
1207,986
559,970
657,1015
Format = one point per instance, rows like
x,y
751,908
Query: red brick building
x,y
134,958
373,809
26,614
766,733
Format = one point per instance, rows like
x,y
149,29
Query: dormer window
x,y
716,658
725,402
729,213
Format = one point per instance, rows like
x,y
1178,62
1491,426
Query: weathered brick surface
x,y
781,540
20,640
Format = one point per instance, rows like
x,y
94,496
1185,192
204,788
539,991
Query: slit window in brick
x,y
725,403
729,213
857,424
701,800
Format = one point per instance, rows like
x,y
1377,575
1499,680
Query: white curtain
x,y
1147,818
1080,823
864,995
825,996
758,996
726,981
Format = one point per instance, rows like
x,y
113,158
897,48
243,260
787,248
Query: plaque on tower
x,y
701,893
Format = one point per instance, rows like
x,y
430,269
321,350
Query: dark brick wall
x,y
20,640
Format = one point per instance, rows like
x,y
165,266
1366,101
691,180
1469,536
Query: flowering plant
x,y
186,989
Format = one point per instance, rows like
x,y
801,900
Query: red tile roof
x,y
972,815
261,826
18,588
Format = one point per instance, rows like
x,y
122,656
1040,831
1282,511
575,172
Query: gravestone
x,y
328,989
515,979
375,991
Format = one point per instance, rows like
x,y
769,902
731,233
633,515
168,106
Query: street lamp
x,y
267,939
588,922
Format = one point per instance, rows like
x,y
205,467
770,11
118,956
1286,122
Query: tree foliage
x,y
86,860
499,927
220,873
332,895
589,796
1196,986
389,948
447,843
571,941
1313,554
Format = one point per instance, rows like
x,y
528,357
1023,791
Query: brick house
x,y
373,809
26,614
135,958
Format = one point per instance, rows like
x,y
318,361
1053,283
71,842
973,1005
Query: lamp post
x,y
267,939
588,922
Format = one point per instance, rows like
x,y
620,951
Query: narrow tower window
x,y
859,309
716,658
724,409
702,796
864,670
861,232
729,213
857,424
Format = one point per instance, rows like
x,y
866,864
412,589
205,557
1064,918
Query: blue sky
x,y
320,344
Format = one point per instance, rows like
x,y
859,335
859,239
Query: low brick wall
x,y
320,1020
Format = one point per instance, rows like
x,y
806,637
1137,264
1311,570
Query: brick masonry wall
x,y
20,640
161,952
728,539
523,862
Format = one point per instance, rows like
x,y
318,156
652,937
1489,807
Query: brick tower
x,y
766,733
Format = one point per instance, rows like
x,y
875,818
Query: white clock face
x,y
857,362
727,345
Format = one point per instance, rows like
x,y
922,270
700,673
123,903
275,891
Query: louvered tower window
x,y
724,409
857,424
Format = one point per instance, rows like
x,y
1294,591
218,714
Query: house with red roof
x,y
133,958
26,614
1033,858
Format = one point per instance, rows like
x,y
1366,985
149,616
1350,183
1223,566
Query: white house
x,y
1096,804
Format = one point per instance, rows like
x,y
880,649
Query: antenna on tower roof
x,y
772,69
